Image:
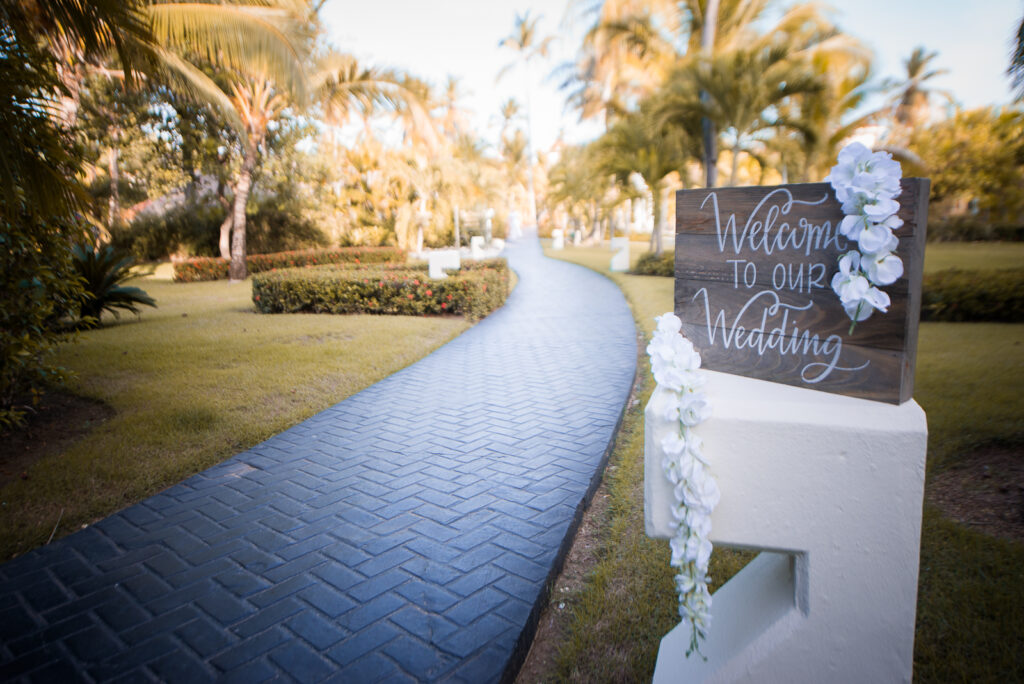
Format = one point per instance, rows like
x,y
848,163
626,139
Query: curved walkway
x,y
406,533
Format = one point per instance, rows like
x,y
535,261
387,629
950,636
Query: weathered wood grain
x,y
750,259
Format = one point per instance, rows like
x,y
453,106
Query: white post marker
x,y
443,259
620,258
557,239
830,488
476,246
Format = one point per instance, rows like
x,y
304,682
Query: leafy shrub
x,y
649,264
195,229
475,291
275,229
192,228
210,268
955,295
38,286
971,229
102,271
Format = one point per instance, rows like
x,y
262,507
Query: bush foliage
x,y
38,286
103,271
195,228
955,295
475,291
649,264
970,229
211,268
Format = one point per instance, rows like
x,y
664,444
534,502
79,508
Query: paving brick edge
x,y
525,641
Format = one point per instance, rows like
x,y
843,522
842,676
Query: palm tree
x,y
911,96
672,37
740,92
39,173
575,186
342,86
1016,68
509,112
257,104
614,68
842,66
638,145
525,40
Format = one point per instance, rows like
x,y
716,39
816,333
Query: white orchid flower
x,y
884,268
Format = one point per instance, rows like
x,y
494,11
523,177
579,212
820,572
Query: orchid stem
x,y
856,315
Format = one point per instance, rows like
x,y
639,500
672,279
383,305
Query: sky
x,y
440,38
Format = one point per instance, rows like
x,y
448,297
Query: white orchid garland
x,y
867,184
679,399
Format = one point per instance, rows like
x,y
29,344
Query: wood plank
x,y
754,267
815,311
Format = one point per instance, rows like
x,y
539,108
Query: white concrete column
x,y
557,239
620,258
832,486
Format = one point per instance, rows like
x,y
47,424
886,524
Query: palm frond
x,y
251,39
186,78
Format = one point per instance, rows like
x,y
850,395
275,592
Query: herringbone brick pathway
x,y
406,533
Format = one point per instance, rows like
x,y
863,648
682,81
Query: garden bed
x,y
210,268
475,291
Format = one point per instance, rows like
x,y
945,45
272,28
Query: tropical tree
x,y
670,38
842,67
576,187
613,69
975,160
637,144
526,41
911,97
741,93
1016,68
342,87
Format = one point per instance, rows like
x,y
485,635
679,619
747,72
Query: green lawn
x,y
194,382
970,603
971,256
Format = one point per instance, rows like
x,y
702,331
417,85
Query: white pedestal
x,y
620,258
557,239
441,260
834,486
476,246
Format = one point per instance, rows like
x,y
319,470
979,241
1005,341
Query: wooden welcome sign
x,y
754,268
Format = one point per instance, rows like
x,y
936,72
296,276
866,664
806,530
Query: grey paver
x,y
405,534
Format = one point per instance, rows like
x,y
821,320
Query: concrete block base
x,y
832,487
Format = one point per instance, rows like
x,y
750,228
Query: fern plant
x,y
103,271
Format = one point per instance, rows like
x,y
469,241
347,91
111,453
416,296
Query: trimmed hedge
x,y
970,229
955,295
210,268
649,264
475,291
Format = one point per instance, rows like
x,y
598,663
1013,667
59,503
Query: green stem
x,y
856,315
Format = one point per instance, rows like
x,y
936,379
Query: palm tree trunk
x,y
237,269
734,171
657,211
532,205
114,205
225,237
709,134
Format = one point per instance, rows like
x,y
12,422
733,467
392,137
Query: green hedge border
x,y
211,268
475,291
974,296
